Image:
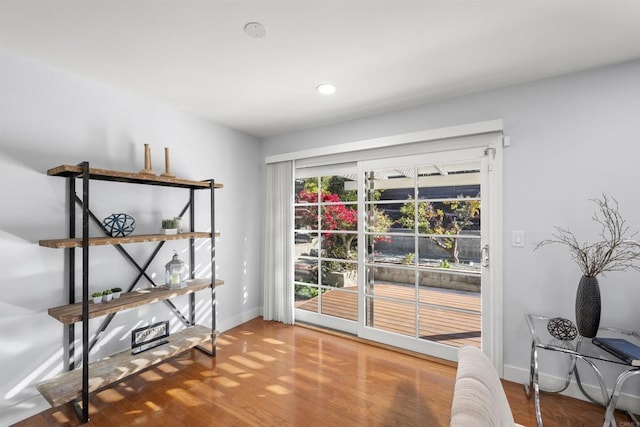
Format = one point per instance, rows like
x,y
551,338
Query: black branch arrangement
x,y
616,251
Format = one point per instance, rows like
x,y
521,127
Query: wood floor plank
x,y
270,374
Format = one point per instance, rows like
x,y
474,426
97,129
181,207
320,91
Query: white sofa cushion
x,y
478,397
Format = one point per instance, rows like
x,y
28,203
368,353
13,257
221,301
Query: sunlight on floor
x,y
261,356
311,375
223,341
246,362
229,368
167,368
109,395
226,382
278,389
151,376
60,417
208,373
185,397
201,388
152,406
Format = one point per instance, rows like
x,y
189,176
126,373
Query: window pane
x,y
339,274
391,316
306,190
392,183
306,297
339,189
306,244
449,192
306,270
306,217
446,217
393,283
385,218
340,303
393,249
457,292
439,217
340,217
459,253
340,246
449,327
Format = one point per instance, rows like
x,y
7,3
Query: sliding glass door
x,y
326,248
423,269
396,250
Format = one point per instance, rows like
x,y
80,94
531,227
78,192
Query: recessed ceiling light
x,y
326,88
255,30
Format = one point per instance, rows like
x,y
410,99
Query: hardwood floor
x,y
270,374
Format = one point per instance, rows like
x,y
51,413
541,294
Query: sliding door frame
x,y
482,134
491,312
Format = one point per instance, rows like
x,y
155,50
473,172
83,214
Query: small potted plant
x,y
97,297
116,292
107,295
169,226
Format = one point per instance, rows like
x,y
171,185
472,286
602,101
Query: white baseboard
x,y
518,375
245,316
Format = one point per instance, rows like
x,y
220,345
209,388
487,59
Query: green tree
x,y
438,224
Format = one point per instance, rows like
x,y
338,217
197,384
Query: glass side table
x,y
583,349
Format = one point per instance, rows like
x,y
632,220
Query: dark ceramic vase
x,y
588,307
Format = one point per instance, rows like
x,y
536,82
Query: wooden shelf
x,y
141,238
72,313
77,384
68,386
133,178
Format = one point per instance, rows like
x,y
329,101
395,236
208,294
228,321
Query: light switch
x,y
518,239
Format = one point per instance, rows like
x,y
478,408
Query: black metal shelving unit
x,y
81,309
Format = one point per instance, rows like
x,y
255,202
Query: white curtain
x,y
278,244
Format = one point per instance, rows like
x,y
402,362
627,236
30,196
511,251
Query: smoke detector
x,y
255,30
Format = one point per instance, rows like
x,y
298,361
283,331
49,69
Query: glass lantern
x,y
175,275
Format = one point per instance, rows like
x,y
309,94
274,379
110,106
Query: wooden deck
x,y
445,316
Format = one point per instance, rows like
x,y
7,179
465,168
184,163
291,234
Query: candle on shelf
x,y
167,164
147,161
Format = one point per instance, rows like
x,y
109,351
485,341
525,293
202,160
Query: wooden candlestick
x,y
167,164
147,161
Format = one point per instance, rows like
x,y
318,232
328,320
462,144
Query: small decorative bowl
x,y
118,225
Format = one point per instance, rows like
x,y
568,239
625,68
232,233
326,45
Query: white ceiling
x,y
381,54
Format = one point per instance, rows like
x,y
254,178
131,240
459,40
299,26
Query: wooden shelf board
x,y
72,313
134,178
68,386
140,238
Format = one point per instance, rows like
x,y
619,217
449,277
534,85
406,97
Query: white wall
x,y
49,117
572,138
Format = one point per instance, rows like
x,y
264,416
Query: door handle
x,y
485,256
